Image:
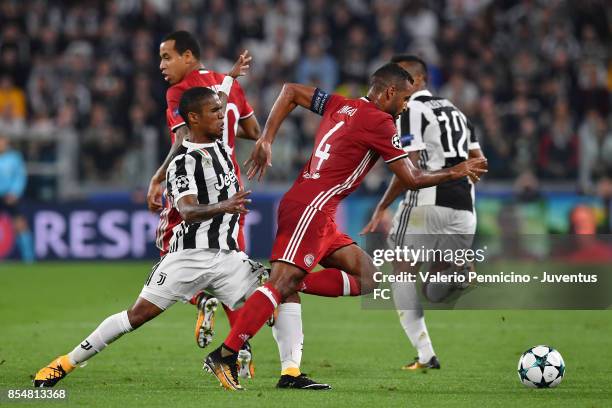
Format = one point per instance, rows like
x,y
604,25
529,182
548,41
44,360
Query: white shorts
x,y
230,276
432,227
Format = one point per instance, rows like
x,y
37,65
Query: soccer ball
x,y
541,367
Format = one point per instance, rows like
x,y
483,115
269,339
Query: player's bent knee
x,y
288,286
136,318
141,312
286,280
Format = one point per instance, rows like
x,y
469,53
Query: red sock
x,y
257,309
232,315
194,299
330,282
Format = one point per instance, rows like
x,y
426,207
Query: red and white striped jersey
x,y
352,135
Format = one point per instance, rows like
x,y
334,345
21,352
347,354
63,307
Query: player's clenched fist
x,y
154,195
237,203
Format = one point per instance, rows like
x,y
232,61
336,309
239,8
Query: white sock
x,y
412,319
287,332
108,331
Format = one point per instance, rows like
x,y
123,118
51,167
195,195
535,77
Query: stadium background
x,y
81,97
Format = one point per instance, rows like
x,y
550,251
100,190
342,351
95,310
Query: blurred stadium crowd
x,y
80,87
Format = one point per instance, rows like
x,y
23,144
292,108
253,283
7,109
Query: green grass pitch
x,y
47,309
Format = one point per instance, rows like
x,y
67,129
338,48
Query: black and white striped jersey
x,y
205,170
444,136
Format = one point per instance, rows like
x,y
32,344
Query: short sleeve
x,y
323,102
244,108
180,177
173,117
411,127
383,138
473,139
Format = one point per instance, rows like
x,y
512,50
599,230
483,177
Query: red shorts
x,y
305,235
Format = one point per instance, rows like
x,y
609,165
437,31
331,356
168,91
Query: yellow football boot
x,y
433,363
54,371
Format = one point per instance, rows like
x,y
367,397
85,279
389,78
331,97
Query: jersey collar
x,y
422,92
196,146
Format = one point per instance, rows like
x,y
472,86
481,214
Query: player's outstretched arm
x,y
472,168
414,178
249,128
290,97
240,68
156,188
191,211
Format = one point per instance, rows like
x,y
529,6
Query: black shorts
x,y
10,209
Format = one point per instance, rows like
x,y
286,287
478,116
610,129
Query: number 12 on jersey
x,y
454,141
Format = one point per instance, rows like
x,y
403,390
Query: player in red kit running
x,y
180,66
352,135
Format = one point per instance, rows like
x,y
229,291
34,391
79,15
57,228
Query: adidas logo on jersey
x,y
226,180
347,110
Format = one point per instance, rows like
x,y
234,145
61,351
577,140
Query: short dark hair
x,y
183,41
389,74
192,100
420,65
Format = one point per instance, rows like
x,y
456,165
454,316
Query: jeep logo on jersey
x,y
396,142
226,180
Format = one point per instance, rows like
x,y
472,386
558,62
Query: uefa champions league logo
x,y
182,182
396,142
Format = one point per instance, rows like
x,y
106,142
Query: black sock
x,y
225,350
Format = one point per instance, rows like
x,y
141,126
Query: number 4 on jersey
x,y
322,152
